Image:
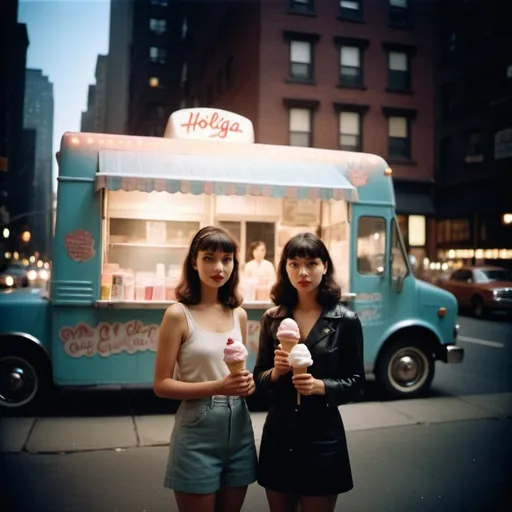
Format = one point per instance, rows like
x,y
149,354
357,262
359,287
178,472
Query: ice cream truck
x,y
127,207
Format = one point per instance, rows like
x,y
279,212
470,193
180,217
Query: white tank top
x,y
201,355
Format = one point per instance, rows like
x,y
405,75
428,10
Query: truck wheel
x,y
405,369
24,379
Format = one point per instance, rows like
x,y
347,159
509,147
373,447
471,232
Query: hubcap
x,y
408,369
18,381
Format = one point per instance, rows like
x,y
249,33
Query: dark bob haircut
x,y
212,239
305,245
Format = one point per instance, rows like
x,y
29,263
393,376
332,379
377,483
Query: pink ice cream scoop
x,y
288,329
234,352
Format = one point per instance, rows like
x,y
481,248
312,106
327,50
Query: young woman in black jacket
x,y
304,457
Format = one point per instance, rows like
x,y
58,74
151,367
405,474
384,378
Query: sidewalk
x,y
79,434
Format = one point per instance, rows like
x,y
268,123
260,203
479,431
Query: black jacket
x,y
336,346
312,433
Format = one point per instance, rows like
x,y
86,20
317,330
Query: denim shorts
x,y
212,446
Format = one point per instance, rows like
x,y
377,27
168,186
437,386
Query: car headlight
x,y
9,281
32,275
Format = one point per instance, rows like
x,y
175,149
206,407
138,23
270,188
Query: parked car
x,y
482,288
13,275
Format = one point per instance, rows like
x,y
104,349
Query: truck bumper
x,y
451,354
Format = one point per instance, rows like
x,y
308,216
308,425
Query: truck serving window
x,y
371,245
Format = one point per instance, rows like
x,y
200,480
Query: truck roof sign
x,y
209,124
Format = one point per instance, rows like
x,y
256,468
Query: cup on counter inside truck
x,y
127,207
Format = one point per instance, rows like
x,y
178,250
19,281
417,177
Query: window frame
x,y
155,30
292,36
295,7
310,72
291,132
356,108
311,105
409,115
410,52
352,42
347,14
158,59
399,17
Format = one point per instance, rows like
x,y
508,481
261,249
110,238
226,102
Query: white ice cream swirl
x,y
300,356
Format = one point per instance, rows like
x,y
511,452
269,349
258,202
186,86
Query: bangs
x,y
217,242
303,246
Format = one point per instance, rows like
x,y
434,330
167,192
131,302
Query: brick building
x,y
356,75
474,132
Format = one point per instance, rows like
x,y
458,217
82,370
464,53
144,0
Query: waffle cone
x,y
299,370
236,367
288,343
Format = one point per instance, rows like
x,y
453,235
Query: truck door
x,y
370,273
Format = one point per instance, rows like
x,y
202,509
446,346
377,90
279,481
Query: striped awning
x,y
201,174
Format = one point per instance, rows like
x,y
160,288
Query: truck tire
x,y
405,369
25,378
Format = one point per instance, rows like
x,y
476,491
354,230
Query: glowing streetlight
x,y
6,233
25,236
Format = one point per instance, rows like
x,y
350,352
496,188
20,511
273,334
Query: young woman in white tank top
x,y
212,455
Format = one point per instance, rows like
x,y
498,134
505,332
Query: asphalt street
x,y
459,466
487,367
442,465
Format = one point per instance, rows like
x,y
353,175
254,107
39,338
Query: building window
x,y
157,26
154,82
350,131
157,55
417,231
399,66
351,10
399,77
162,3
399,142
302,6
351,74
300,127
300,60
301,55
350,125
351,60
474,149
399,15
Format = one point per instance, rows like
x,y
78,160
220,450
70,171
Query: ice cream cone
x,y
288,343
299,370
236,367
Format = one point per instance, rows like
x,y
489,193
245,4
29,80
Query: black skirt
x,y
304,451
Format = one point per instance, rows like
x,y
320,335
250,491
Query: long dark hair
x,y
305,245
213,239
